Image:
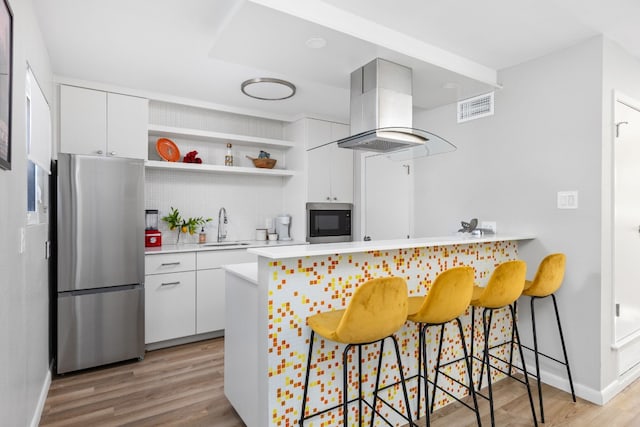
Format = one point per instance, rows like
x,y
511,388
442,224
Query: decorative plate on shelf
x,y
167,149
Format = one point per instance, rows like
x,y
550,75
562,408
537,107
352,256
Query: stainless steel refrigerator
x,y
100,279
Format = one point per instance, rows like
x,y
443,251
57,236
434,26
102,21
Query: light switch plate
x,y
567,199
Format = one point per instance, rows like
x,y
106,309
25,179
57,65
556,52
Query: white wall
x,y
621,73
248,200
24,355
545,137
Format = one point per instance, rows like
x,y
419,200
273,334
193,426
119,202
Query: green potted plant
x,y
175,221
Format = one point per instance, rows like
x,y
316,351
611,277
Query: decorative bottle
x,y
228,158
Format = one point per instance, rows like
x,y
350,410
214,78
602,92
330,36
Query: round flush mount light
x,y
268,89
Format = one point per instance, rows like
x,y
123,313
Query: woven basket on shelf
x,y
263,163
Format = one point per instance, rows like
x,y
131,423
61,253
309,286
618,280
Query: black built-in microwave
x,y
329,222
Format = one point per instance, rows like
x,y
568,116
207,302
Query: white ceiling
x,y
204,49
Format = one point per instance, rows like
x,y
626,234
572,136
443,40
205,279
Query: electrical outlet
x,y
489,225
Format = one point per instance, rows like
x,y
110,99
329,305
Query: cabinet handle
x,y
335,198
328,198
100,152
165,264
170,284
112,153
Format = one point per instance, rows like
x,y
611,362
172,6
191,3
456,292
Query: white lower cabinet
x,y
210,300
211,284
169,306
185,292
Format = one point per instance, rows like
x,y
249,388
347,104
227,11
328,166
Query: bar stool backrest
x,y
505,285
549,276
377,309
448,297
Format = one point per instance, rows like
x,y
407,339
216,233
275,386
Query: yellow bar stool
x,y
503,288
546,282
445,302
376,311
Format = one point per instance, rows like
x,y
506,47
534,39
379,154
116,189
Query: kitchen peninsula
x,y
266,336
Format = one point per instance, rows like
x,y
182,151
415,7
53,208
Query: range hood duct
x,y
382,114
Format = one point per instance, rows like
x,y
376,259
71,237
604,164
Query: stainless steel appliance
x,y
329,222
283,225
100,280
382,113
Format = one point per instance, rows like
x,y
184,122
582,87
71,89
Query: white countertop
x,y
247,271
244,244
381,245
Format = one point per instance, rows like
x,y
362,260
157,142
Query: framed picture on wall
x,y
6,61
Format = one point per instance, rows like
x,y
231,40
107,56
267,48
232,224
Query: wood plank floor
x,y
184,386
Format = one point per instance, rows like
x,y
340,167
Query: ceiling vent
x,y
476,107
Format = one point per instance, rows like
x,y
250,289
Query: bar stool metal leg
x,y
306,379
425,370
537,358
524,367
345,387
375,391
360,383
435,378
564,347
486,338
402,382
515,309
421,358
471,387
536,351
486,323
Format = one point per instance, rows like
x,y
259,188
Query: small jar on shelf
x,y
228,158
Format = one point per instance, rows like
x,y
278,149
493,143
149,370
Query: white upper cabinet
x,y
127,123
98,123
330,168
83,121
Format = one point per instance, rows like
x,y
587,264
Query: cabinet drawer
x,y
216,259
170,306
169,263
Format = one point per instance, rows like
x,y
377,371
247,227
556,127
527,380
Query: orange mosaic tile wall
x,y
301,287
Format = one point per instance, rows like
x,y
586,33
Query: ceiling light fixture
x,y
268,89
316,43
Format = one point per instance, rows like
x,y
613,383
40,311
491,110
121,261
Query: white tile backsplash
x,y
248,200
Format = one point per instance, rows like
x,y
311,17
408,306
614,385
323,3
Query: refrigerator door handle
x,y
101,290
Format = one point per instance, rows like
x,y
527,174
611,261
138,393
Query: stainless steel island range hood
x,y
382,113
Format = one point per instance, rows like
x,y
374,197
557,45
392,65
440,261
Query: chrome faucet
x,y
222,224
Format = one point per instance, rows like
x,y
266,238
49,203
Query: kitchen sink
x,y
218,244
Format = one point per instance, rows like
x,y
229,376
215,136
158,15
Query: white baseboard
x,y
562,383
599,397
35,421
620,384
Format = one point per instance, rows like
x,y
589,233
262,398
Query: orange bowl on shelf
x,y
263,163
167,149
